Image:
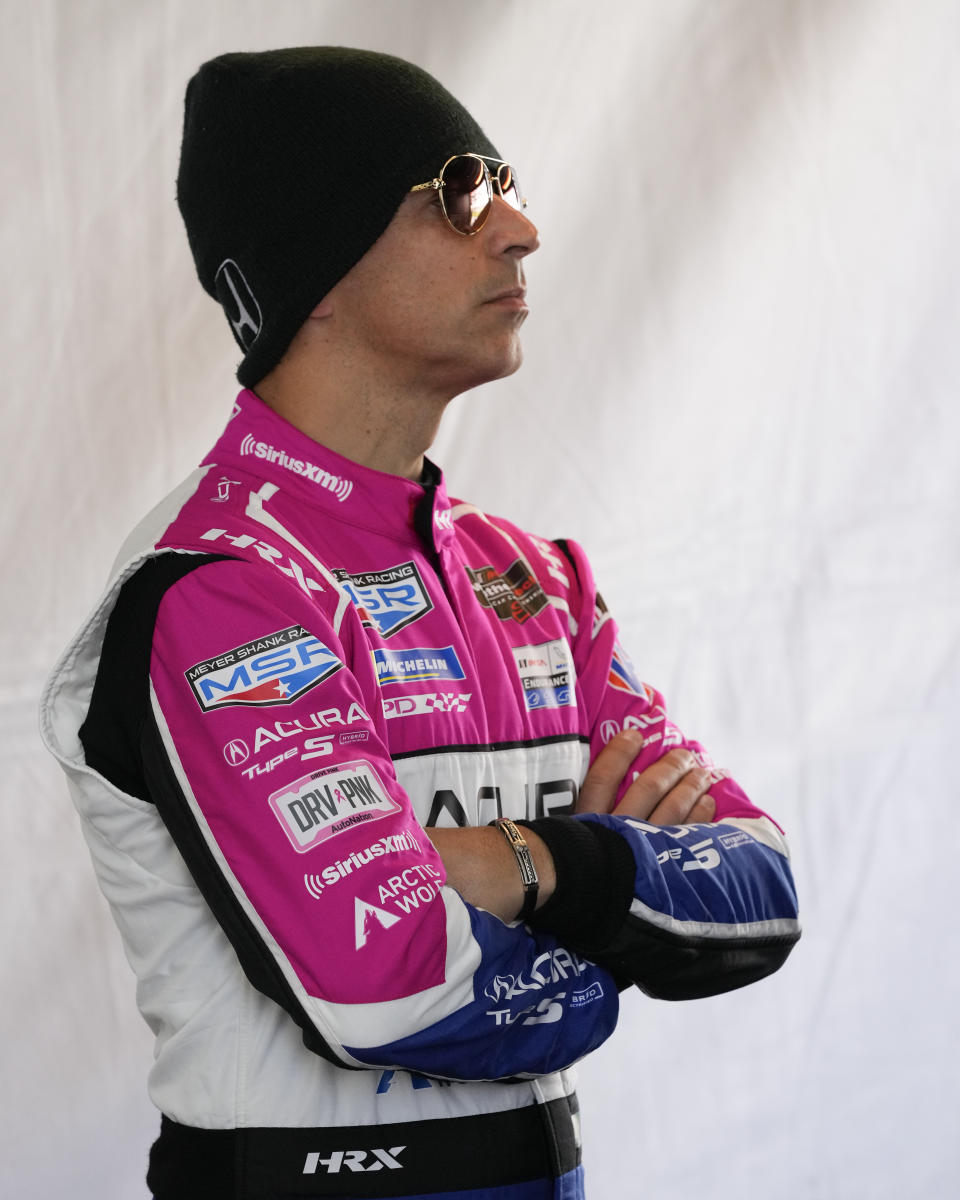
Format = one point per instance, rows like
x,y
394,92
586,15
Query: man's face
x,y
434,307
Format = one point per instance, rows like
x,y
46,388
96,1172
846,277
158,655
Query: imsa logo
x,y
274,669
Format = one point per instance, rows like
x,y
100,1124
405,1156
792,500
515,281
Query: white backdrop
x,y
741,360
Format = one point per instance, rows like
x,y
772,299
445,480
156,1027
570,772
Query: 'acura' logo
x,y
236,752
239,303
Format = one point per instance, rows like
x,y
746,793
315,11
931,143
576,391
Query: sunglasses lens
x,y
509,186
467,194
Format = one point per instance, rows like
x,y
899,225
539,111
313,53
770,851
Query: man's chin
x,y
508,362
515,363
491,368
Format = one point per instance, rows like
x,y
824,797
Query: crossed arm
x,y
671,791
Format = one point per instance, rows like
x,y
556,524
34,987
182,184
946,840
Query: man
x,y
317,691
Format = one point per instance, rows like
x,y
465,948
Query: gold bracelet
x,y
528,872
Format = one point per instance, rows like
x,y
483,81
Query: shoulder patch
x,y
276,668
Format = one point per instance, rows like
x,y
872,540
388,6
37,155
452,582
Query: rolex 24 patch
x,y
274,669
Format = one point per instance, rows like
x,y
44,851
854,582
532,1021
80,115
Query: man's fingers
x,y
657,782
687,803
671,791
599,790
703,811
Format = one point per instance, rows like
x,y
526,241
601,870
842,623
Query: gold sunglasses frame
x,y
491,180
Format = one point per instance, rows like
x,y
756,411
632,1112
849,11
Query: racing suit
x,y
298,665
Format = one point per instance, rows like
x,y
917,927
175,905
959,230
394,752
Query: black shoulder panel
x,y
561,545
111,733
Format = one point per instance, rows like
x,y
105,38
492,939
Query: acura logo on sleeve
x,y
239,303
236,752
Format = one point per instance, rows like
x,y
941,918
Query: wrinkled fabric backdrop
x,y
739,395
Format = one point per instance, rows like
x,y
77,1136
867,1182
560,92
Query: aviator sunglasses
x,y
465,186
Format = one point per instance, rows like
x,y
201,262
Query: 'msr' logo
x,y
274,669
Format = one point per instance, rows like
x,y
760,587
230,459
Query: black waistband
x,y
403,1159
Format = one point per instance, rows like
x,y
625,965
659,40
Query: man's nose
x,y
511,231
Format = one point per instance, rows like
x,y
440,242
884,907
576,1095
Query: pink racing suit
x,y
298,665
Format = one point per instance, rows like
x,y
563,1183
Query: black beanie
x,y
292,165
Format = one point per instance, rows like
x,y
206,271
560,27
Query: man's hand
x,y
671,791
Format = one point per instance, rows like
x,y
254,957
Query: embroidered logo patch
x,y
547,675
273,669
389,600
417,662
515,595
318,806
623,675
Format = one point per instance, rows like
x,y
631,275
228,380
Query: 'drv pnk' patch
x,y
274,669
320,805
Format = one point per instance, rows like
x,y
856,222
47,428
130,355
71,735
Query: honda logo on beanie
x,y
239,303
